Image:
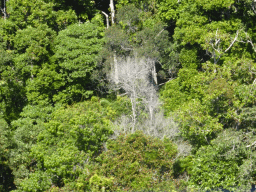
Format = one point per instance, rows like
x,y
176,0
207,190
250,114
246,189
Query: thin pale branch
x,y
107,20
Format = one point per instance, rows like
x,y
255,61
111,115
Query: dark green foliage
x,y
33,47
144,5
77,48
140,33
84,8
137,162
6,144
248,118
12,92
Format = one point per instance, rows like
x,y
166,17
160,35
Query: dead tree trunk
x,y
116,68
154,74
112,9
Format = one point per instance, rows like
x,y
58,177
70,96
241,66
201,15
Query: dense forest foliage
x,y
127,95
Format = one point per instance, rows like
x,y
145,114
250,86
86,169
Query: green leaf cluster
x,y
227,163
137,162
66,142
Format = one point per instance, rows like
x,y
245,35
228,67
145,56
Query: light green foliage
x,y
50,61
72,136
33,47
215,5
77,48
213,28
197,19
137,162
4,140
227,163
189,84
168,10
99,183
24,13
37,12
37,181
188,58
42,88
208,98
196,124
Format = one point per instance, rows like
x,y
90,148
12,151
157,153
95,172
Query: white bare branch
x,y
112,8
217,50
232,43
126,48
134,77
159,33
107,20
251,144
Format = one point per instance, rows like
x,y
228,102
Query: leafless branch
x,y
159,33
107,20
216,46
251,144
126,48
232,43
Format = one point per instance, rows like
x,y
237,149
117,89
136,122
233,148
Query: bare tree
x,y
134,78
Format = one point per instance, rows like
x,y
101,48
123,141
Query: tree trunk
x,y
112,9
115,68
133,101
154,74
